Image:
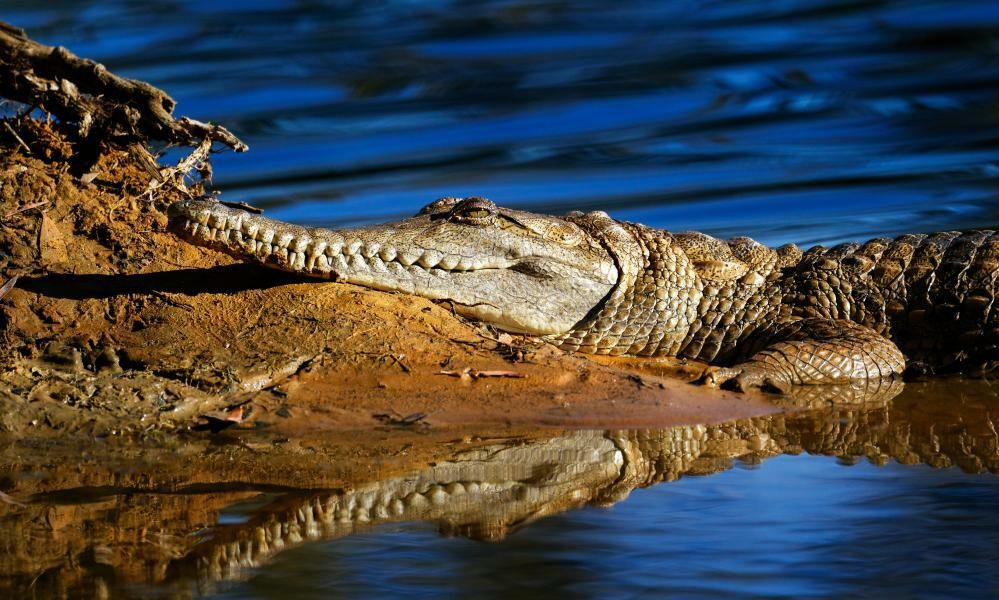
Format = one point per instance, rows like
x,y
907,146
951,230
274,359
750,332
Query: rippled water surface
x,y
804,121
791,527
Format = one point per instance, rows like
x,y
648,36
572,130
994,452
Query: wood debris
x,y
7,287
394,419
470,373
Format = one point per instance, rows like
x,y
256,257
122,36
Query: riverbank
x,y
114,326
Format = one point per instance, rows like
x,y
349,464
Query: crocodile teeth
x,y
370,250
352,248
430,259
218,221
387,254
408,257
267,236
397,507
472,264
377,266
415,500
448,263
437,496
284,240
358,263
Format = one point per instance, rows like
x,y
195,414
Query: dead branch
x,y
85,93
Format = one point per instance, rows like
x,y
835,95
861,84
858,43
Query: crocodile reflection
x,y
488,492
482,491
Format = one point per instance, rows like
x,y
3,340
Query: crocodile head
x,y
523,272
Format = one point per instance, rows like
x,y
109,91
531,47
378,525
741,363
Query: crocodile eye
x,y
440,205
472,210
474,213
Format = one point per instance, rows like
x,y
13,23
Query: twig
x,y
7,287
17,137
394,419
170,300
25,208
398,360
242,206
7,499
470,373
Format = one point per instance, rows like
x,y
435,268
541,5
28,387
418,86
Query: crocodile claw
x,y
742,378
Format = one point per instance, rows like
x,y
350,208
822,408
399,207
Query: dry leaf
x,y
51,244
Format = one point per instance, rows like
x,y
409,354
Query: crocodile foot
x,y
743,378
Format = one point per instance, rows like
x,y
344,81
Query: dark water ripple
x,y
805,121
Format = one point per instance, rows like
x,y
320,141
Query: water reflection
x,y
99,538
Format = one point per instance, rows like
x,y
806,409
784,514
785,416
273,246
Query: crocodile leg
x,y
812,351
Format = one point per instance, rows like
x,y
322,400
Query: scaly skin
x,y
588,283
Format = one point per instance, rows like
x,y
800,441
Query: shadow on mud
x,y
225,279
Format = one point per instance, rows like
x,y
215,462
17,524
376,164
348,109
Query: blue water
x,y
806,121
794,526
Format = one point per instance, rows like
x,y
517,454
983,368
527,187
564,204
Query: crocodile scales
x,y
588,283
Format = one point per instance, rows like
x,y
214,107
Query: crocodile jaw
x,y
517,281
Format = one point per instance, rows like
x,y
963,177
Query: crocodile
x,y
762,317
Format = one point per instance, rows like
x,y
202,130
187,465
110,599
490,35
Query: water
x,y
804,121
887,499
791,527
